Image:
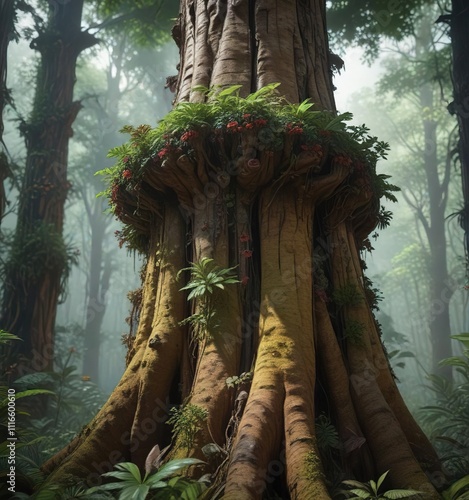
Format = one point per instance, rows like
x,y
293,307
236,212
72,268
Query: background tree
x,y
125,73
457,21
269,168
7,12
39,258
428,63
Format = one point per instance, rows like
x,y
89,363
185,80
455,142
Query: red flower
x,y
127,174
295,131
162,153
232,125
249,125
125,159
244,237
246,116
260,122
247,254
244,280
190,134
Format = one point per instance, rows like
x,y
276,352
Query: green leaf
x,y
457,488
381,479
395,494
171,467
462,337
6,337
229,91
360,493
131,468
124,476
135,492
454,361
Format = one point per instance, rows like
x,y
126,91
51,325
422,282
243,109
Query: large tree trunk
x,y
304,354
39,259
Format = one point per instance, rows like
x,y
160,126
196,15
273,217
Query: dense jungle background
x,y
392,68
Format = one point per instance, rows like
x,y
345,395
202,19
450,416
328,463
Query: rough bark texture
x,y
293,224
36,267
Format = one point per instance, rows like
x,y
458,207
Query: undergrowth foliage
x,y
446,420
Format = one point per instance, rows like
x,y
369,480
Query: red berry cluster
x,y
249,123
190,134
294,128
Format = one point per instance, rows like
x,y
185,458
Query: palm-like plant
x,y
447,418
130,484
370,490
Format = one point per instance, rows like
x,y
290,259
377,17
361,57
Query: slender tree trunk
x,y
39,260
7,14
440,287
100,268
99,277
306,356
460,48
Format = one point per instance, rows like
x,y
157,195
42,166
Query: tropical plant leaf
x,y
171,467
360,493
6,337
395,494
134,492
462,337
458,490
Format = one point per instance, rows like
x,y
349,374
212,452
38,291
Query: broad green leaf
x,y
360,493
131,468
455,361
171,467
123,476
462,337
136,492
396,494
456,490
229,91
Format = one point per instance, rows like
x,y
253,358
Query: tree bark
x,y
282,207
7,16
460,47
38,262
441,288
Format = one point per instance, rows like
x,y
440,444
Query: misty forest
x,y
233,249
